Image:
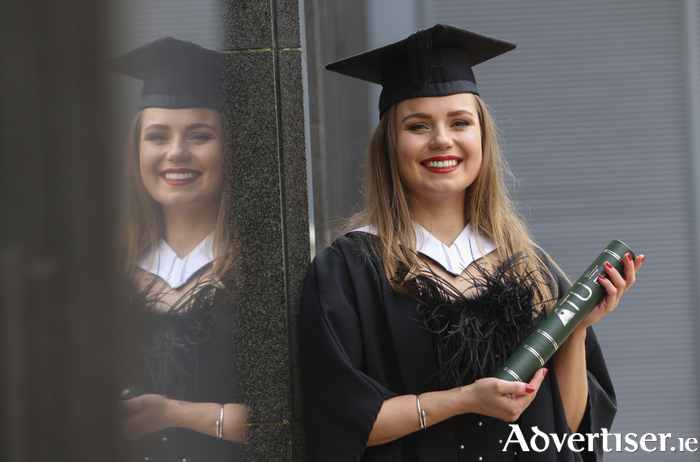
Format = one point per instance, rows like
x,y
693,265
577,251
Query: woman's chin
x,y
187,206
442,193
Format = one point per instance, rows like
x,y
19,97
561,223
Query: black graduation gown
x,y
182,354
361,343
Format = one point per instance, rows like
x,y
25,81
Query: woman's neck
x,y
184,231
443,218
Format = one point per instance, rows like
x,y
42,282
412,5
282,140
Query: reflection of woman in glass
x,y
405,320
176,253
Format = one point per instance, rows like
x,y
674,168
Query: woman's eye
x,y
460,123
200,137
417,127
157,137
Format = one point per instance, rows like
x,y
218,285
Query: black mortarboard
x,y
176,73
431,62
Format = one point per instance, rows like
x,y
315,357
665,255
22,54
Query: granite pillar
x,y
264,114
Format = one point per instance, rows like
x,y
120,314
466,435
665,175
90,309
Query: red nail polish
x,y
629,257
600,276
529,388
545,372
607,263
643,257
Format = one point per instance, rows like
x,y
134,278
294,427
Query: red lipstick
x,y
425,163
180,176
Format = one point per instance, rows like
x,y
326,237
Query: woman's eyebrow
x,y
460,112
199,125
418,115
188,127
157,127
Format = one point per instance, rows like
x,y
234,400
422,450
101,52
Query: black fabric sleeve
x,y
341,401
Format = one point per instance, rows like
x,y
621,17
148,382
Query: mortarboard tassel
x,y
420,59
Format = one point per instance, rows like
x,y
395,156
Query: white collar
x,y
455,258
173,270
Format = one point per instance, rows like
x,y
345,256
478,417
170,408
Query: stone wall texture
x,y
264,112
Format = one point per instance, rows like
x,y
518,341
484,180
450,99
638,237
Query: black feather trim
x,y
165,339
474,335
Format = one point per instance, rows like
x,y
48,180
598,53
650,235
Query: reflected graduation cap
x,y
176,73
431,62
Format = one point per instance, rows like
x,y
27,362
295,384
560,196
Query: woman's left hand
x,y
615,285
146,414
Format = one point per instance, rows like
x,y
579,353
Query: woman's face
x,y
180,157
439,145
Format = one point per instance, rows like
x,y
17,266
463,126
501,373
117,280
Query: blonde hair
x,y
488,207
143,224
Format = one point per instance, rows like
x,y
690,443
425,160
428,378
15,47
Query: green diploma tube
x,y
561,321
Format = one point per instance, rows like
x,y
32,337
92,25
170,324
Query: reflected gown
x,y
181,352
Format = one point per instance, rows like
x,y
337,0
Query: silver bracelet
x,y
421,415
220,425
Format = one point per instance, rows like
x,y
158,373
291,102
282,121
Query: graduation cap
x,y
431,62
176,73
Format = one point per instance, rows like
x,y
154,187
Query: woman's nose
x,y
441,139
178,151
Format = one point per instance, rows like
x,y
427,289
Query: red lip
x,y
178,170
438,159
182,182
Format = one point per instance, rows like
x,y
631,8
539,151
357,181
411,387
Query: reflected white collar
x,y
173,270
455,258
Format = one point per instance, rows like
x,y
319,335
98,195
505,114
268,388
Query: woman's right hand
x,y
502,399
493,397
150,413
145,414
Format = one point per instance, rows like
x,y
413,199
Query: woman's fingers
x,y
524,389
618,282
609,302
630,270
539,376
130,406
615,285
142,415
131,417
503,399
513,389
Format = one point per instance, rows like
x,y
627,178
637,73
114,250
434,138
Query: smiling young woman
x,y
181,166
182,147
407,316
176,254
164,142
438,141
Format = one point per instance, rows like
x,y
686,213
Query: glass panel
x,y
178,401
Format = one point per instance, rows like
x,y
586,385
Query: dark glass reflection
x,y
175,255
